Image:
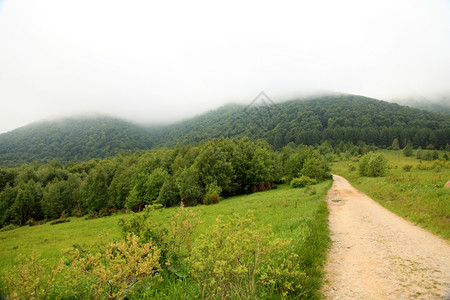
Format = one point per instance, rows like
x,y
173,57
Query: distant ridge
x,y
71,139
336,119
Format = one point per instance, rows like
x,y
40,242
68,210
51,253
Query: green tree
x,y
121,185
95,189
7,198
373,165
154,183
408,150
169,194
213,163
59,196
316,167
191,191
27,202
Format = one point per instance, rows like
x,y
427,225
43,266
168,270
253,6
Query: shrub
x,y
31,279
302,182
419,153
9,227
237,260
373,165
33,222
211,198
62,219
408,150
407,168
114,271
78,213
58,221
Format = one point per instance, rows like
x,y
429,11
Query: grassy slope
x,y
292,213
417,195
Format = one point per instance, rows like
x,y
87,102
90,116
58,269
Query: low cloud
x,y
160,62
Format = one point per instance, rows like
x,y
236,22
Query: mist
x,y
156,63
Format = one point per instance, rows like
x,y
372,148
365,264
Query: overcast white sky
x,y
159,61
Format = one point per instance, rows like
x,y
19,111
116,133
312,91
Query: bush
x,y
32,279
302,182
211,198
237,260
32,222
62,219
9,227
58,221
373,165
408,150
113,272
407,168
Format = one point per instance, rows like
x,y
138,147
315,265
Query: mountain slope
x,y
333,118
336,119
71,139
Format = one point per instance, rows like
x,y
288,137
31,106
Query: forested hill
x,y
71,139
334,119
331,118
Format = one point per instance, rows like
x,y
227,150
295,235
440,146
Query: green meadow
x,y
412,188
299,215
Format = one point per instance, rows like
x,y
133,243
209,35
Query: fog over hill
x,y
160,62
310,121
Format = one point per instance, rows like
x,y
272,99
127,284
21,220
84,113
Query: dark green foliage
x,y
211,198
95,189
27,203
71,140
373,165
121,185
334,119
169,195
191,191
191,174
61,196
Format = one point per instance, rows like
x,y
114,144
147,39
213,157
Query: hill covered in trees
x,y
76,139
335,119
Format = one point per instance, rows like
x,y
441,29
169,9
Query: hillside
x,y
71,139
332,118
335,119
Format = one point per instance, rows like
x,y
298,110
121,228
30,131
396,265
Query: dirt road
x,y
377,255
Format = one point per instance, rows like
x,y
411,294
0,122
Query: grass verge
x,y
297,214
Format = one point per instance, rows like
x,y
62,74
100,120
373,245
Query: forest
x,y
201,174
331,119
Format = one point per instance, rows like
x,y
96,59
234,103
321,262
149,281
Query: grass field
x,y
417,195
297,214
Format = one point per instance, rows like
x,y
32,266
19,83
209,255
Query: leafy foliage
x,y
373,165
189,174
116,269
302,182
235,259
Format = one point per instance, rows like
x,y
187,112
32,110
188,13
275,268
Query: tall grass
x,y
296,214
417,194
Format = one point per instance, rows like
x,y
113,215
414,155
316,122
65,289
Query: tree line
x,y
185,173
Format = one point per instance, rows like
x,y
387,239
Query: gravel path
x,y
377,255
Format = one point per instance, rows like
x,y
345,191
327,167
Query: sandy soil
x,y
377,255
